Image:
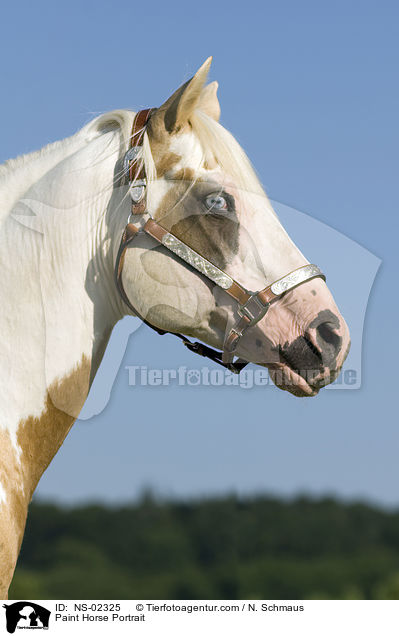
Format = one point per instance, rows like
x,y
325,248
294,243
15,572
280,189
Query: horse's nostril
x,y
326,331
325,336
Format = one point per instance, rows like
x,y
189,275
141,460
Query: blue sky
x,y
310,90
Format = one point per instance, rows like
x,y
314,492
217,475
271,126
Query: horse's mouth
x,y
299,383
300,368
290,380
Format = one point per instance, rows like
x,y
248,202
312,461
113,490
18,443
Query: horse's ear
x,y
208,102
175,113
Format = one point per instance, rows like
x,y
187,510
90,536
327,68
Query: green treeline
x,y
225,548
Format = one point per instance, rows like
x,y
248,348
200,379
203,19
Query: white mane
x,y
218,144
17,175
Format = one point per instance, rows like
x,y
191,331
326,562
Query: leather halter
x,y
252,306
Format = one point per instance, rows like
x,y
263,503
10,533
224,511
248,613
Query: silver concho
x,y
137,190
198,262
296,278
130,155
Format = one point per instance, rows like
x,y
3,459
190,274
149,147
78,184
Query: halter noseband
x,y
252,306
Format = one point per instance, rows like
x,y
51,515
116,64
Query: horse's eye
x,y
216,202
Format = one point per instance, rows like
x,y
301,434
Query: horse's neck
x,y
18,175
57,282
59,305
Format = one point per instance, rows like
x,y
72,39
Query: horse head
x,y
204,195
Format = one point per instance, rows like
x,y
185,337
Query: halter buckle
x,y
253,309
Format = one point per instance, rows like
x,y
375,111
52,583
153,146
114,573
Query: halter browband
x,y
252,306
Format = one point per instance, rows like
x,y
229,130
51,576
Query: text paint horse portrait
x,y
157,214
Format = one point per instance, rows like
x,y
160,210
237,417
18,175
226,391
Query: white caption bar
x,y
152,618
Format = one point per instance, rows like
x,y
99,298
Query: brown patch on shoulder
x,y
69,394
39,439
12,512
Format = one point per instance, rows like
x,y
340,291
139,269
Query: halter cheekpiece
x,y
252,306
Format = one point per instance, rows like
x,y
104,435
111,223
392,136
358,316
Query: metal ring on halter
x,y
132,218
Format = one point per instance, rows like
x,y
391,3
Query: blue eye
x,y
216,202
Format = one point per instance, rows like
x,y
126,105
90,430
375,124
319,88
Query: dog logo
x,y
26,615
